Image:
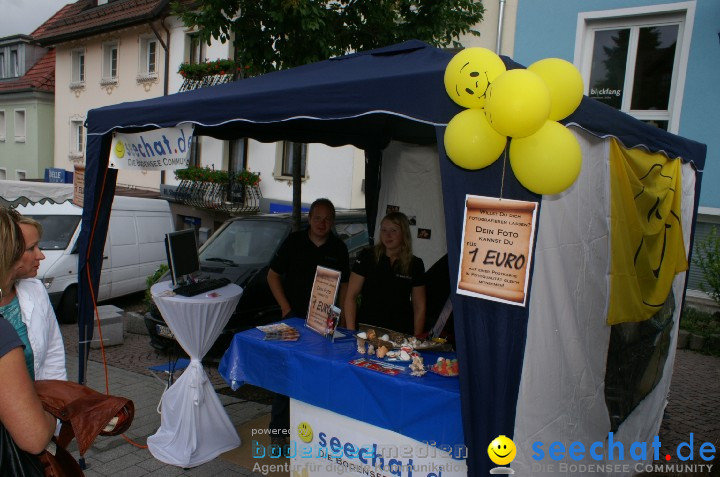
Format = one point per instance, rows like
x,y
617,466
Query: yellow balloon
x,y
518,103
547,162
469,74
565,84
470,142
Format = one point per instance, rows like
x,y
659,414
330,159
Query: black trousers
x,y
280,415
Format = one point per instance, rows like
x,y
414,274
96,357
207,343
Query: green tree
x,y
278,34
707,257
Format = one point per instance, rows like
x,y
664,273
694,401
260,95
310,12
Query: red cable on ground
x,y
131,442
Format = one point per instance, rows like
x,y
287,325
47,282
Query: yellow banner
x,y
647,247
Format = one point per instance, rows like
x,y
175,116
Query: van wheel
x,y
68,306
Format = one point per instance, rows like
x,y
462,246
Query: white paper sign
x,y
497,248
156,150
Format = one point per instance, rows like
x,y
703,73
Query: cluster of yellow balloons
x,y
523,104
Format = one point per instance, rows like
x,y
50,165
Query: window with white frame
x,y
78,67
110,62
77,139
20,175
3,173
195,151
148,56
19,125
2,126
635,59
196,49
284,163
14,63
237,156
2,64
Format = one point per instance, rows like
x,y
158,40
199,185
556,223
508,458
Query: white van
x,y
134,248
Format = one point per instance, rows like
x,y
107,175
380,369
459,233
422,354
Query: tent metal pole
x,y
501,14
297,187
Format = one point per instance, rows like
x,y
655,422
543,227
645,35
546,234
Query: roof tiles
x,y
41,77
81,18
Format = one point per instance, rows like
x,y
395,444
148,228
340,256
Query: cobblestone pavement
x,y
135,354
693,402
693,406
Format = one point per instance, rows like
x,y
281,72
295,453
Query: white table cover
x,y
194,427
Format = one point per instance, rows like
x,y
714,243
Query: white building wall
x,y
488,28
213,152
73,104
332,172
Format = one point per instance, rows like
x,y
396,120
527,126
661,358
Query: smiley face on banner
x,y
469,74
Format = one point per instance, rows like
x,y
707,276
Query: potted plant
x,y
198,71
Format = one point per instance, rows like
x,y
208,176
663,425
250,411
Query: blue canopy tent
x,y
367,100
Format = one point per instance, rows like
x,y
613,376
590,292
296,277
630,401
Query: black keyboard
x,y
203,286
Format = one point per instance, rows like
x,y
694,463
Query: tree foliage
x,y
278,34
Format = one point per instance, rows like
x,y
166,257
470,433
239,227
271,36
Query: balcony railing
x,y
206,81
232,197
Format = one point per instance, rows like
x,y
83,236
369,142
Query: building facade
x,y
106,53
110,52
656,60
27,82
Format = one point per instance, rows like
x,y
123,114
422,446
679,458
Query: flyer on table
x,y
497,248
322,299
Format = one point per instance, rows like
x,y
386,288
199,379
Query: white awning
x,y
13,193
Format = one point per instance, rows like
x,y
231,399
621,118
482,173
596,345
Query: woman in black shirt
x,y
390,282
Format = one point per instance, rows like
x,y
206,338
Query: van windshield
x,y
245,242
57,230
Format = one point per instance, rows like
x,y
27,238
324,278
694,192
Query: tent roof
x,y
364,99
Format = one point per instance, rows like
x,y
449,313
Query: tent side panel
x,y
562,387
643,424
411,181
562,394
490,336
99,189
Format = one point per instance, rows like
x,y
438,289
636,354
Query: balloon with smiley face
x,y
469,74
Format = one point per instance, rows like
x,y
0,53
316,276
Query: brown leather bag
x,y
85,414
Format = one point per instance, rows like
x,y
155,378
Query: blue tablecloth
x,y
317,371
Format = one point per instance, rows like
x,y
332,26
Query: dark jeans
x,y
280,415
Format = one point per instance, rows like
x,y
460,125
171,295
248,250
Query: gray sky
x,y
24,16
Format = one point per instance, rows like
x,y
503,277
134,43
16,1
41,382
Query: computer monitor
x,y
182,254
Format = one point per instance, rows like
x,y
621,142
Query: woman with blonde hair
x,y
21,413
389,280
26,305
